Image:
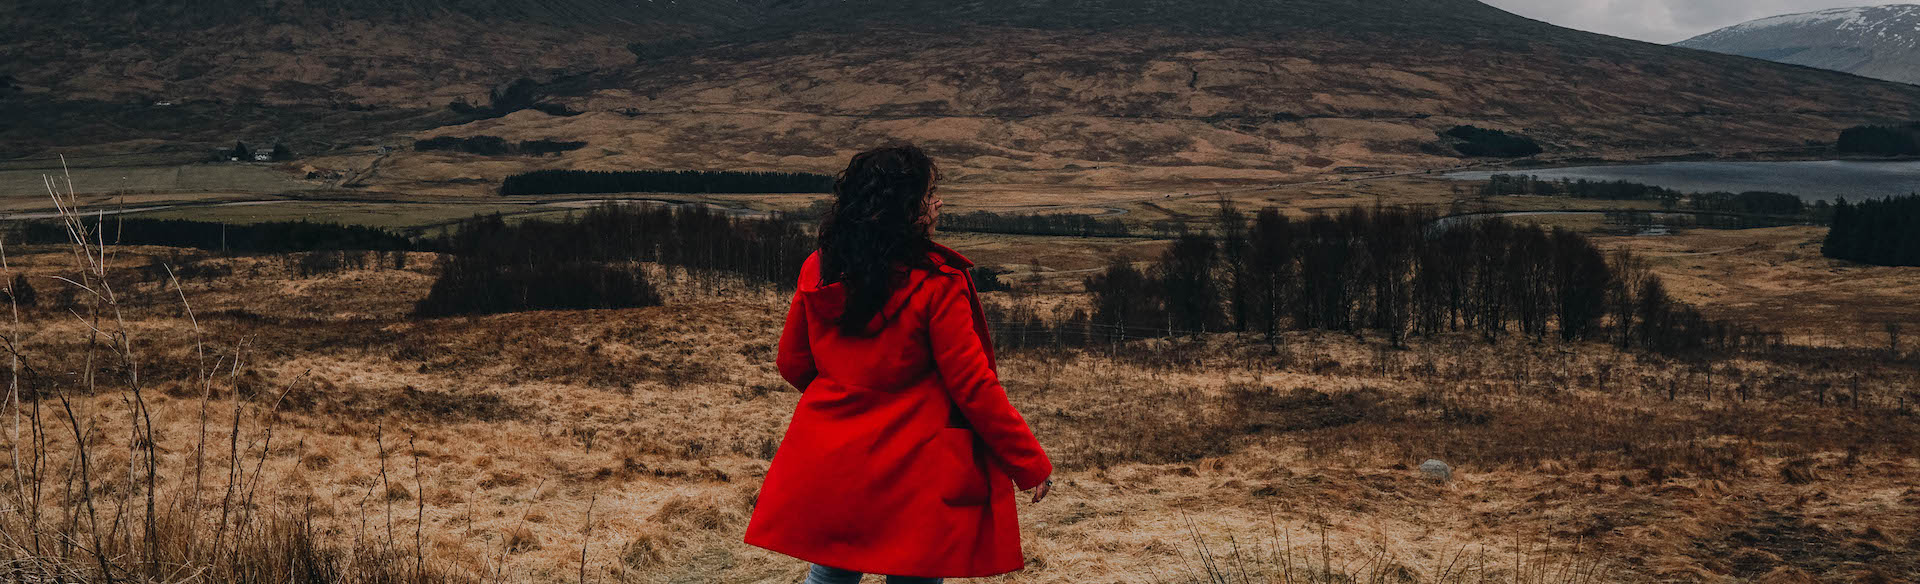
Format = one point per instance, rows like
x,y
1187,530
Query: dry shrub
x,y
443,497
362,480
704,513
1786,575
502,478
319,459
646,550
521,539
1800,471
398,492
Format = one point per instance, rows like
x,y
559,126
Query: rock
x,y
1436,470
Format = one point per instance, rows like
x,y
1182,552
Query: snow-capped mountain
x,y
1872,41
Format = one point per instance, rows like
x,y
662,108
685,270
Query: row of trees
x,y
1063,224
1902,140
1882,232
594,260
550,182
270,237
495,146
1500,185
310,264
1398,272
1751,202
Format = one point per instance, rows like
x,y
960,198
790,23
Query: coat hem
x,y
872,569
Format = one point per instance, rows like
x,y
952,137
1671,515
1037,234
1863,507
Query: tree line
x,y
495,146
1750,202
551,182
269,237
1062,224
1882,232
1501,185
1901,140
593,260
1400,273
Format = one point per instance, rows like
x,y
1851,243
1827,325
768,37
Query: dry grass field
x,y
177,181
1777,276
626,445
278,415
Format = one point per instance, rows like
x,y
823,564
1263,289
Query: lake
x,y
1811,180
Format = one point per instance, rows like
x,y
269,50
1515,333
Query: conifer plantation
x,y
1883,232
594,260
1397,272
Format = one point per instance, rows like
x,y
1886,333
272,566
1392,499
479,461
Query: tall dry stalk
x,y
156,527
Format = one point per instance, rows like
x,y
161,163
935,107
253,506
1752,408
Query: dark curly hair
x,y
873,228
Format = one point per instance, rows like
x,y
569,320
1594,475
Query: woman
x,y
903,455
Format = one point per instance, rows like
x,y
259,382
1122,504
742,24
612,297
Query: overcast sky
x,y
1661,21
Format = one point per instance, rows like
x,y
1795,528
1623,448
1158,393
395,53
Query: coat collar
x,y
948,260
826,302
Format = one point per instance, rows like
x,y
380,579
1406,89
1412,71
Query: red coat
x,y
873,475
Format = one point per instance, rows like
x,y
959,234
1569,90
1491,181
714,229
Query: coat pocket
x,y
967,481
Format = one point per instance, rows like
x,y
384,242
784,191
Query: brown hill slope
x,y
1091,91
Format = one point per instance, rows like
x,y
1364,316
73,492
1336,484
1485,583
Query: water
x,y
1812,181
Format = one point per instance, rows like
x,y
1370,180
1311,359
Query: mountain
x,y
1882,42
1055,91
406,53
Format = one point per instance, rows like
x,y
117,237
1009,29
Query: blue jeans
x,y
825,575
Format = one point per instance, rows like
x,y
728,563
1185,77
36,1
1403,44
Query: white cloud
x,y
1660,21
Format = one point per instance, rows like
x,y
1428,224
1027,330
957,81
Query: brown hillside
x,y
1090,92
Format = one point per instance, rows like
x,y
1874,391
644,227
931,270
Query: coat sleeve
x,y
795,359
975,388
